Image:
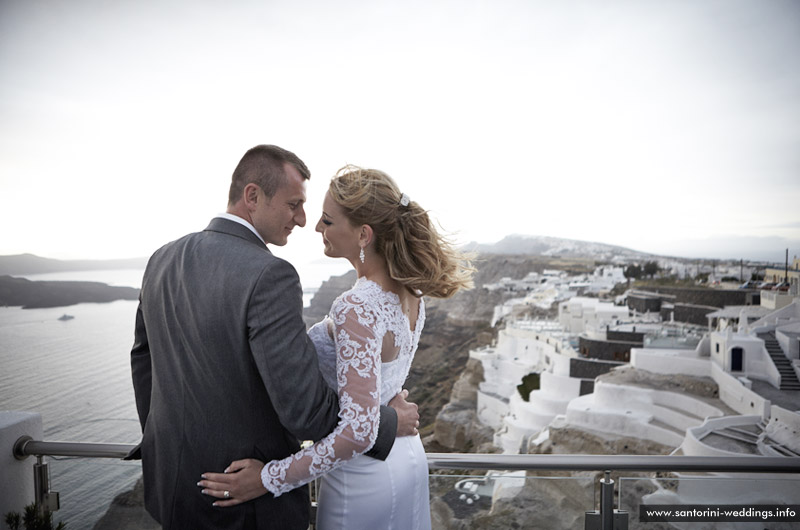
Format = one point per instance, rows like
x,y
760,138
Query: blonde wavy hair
x,y
418,257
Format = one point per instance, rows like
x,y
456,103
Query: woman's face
x,y
338,233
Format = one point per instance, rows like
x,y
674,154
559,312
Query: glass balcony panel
x,y
704,493
99,480
510,500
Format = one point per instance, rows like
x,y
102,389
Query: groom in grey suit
x,y
222,366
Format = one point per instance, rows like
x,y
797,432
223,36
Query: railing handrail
x,y
28,447
580,462
567,462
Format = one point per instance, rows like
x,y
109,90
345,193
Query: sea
x,y
76,374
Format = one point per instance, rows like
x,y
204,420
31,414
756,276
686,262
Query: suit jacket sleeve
x,y
387,432
141,369
142,374
285,356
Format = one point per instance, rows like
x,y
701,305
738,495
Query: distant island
x,y
527,245
36,295
23,264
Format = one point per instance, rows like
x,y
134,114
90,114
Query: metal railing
x,y
731,464
27,446
605,518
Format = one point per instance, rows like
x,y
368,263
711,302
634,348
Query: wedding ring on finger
x,y
226,494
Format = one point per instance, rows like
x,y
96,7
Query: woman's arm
x,y
358,363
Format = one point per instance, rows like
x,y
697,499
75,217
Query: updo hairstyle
x,y
417,256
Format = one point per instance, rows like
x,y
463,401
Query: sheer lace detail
x,y
361,317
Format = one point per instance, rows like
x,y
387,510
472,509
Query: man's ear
x,y
251,195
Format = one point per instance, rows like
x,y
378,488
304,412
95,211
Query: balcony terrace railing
x,y
606,517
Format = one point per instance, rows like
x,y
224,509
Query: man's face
x,y
275,218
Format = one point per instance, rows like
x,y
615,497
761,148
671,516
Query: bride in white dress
x,y
365,348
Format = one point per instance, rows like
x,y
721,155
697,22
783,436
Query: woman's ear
x,y
365,236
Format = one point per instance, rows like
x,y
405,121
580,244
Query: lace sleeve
x,y
358,359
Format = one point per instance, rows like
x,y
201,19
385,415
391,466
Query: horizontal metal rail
x,y
739,464
26,446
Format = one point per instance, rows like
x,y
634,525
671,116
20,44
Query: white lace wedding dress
x,y
356,491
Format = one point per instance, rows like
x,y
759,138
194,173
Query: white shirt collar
x,y
243,222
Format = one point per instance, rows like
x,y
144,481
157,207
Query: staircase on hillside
x,y
789,379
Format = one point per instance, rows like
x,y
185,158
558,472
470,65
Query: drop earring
x,y
361,255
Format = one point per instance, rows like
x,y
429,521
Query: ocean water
x,y
76,374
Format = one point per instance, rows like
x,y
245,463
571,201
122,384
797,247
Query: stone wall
x,y
608,350
643,303
587,386
590,368
630,336
692,314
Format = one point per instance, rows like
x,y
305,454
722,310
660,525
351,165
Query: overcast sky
x,y
666,126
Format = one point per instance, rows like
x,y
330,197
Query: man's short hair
x,y
264,165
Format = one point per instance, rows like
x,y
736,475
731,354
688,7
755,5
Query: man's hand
x,y
407,415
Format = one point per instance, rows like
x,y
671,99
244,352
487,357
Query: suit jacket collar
x,y
226,226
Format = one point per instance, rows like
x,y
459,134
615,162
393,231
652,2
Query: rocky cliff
x,y
457,427
325,295
127,512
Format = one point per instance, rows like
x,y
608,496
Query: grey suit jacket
x,y
223,370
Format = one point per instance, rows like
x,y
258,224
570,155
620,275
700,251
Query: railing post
x,y
607,502
46,500
606,518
